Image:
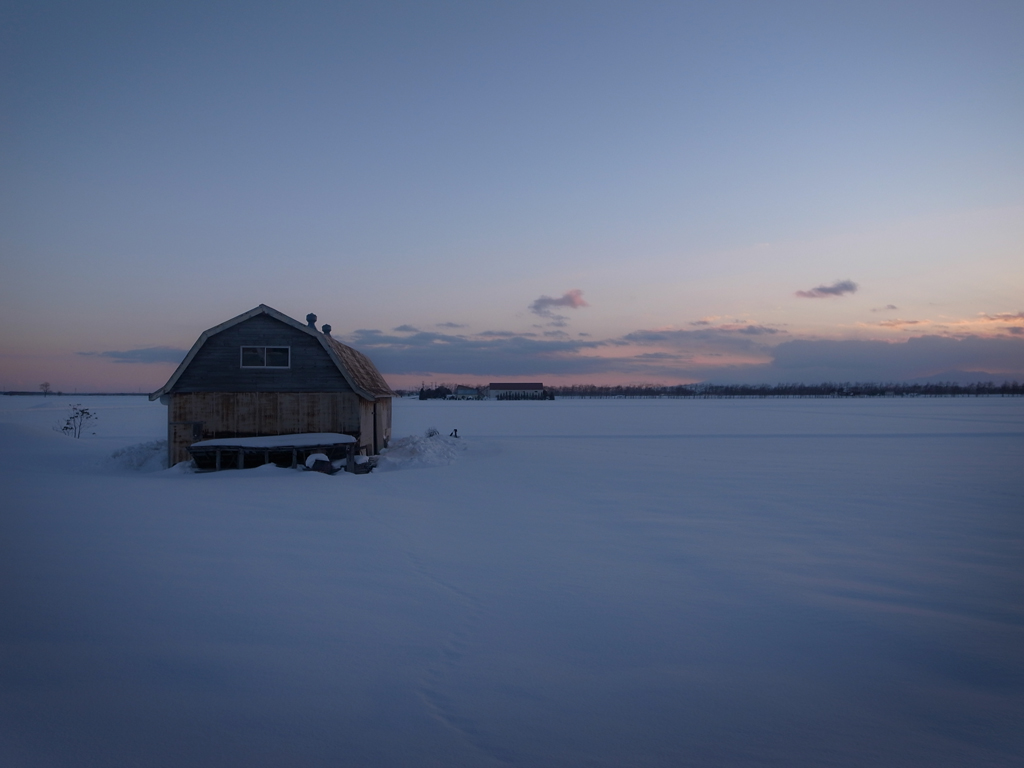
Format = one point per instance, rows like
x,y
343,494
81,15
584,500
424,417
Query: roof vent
x,y
311,320
327,329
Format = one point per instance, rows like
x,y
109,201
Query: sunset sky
x,y
564,192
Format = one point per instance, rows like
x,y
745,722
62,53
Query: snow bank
x,y
414,451
143,457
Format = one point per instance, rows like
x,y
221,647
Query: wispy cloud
x,y
1013,322
406,329
1004,317
453,326
745,327
899,323
982,324
837,288
660,356
886,308
505,334
144,356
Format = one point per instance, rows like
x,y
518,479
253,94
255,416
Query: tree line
x,y
544,394
442,391
826,389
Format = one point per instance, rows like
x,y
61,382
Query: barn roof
x,y
360,373
362,370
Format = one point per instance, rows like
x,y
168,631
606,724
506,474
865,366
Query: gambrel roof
x,y
357,369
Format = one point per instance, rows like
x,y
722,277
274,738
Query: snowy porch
x,y
282,450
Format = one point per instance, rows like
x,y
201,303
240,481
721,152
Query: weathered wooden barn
x,y
264,373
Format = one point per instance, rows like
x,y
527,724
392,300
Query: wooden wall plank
x,y
245,414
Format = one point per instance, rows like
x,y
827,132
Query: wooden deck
x,y
282,450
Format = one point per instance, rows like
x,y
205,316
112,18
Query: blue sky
x,y
688,169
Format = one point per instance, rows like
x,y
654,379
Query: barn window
x,y
266,357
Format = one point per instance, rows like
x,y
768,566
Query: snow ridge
x,y
142,457
415,451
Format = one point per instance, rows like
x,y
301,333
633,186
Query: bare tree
x,y
45,387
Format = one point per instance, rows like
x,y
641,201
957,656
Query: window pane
x,y
252,356
277,357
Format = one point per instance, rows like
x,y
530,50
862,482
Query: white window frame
x,y
264,366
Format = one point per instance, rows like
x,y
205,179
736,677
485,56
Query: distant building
x,y
264,373
516,391
466,393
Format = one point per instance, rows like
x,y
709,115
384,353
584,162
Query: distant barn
x,y
263,373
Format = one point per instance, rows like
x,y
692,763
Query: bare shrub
x,y
76,421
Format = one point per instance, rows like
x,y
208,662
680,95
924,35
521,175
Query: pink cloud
x,y
572,299
542,307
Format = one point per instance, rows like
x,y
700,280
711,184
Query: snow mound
x,y
313,458
416,451
143,457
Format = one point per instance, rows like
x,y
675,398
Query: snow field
x,y
790,583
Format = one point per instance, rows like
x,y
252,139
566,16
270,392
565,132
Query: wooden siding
x,y
251,414
375,420
366,425
383,422
217,366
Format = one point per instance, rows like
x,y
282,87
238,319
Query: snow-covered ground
x,y
592,582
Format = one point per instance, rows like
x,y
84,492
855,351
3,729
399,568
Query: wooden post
x,y
241,458
217,468
295,457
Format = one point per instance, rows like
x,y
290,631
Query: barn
x,y
264,373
